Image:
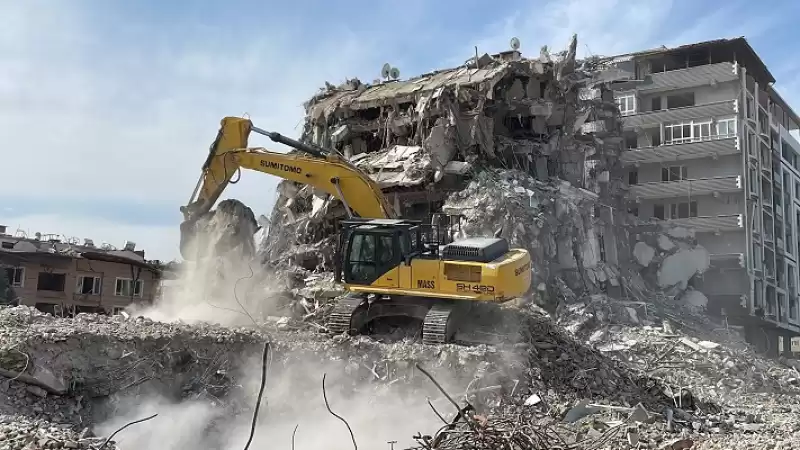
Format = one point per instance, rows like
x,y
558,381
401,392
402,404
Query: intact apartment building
x,y
709,147
66,277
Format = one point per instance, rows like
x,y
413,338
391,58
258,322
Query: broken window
x,y
626,104
601,243
631,141
658,211
15,275
674,173
655,104
633,177
88,285
683,210
54,282
655,137
680,100
126,287
757,259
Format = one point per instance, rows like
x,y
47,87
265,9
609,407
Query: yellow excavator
x,y
392,268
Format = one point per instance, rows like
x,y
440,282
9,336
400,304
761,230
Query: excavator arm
x,y
320,168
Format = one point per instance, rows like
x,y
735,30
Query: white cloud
x,y
87,119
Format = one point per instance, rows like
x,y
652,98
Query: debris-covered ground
x,y
651,380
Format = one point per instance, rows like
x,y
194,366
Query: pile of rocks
x,y
20,433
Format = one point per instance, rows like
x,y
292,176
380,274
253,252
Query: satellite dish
x,y
386,70
514,43
394,73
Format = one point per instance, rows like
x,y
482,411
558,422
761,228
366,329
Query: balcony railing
x,y
711,146
683,188
690,77
654,118
710,224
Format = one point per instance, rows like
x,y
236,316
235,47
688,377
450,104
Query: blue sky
x,y
107,108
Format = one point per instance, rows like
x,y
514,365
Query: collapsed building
x,y
542,133
525,147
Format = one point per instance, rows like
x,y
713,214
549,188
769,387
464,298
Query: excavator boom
x,y
322,169
317,167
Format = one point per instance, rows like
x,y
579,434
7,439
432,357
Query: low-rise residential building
x,y
64,276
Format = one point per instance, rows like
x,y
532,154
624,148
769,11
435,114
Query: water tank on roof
x,y
3,229
130,245
88,242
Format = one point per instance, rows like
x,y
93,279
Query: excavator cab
x,y
369,248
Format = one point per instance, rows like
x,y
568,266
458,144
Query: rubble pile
x,y
19,433
553,220
549,118
669,259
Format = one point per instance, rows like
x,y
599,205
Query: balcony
x,y
678,152
690,77
727,260
684,188
656,118
711,224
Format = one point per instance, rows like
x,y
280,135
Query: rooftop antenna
x,y
386,71
394,73
514,43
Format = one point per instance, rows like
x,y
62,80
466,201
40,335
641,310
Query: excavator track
x,y
434,327
339,320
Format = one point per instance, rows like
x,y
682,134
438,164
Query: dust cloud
x,y
233,289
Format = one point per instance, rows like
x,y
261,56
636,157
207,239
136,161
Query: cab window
x,y
362,258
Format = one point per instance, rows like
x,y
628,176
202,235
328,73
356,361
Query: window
x,y
726,128
633,177
655,137
683,210
797,191
631,141
8,245
680,210
757,260
117,310
54,282
658,211
655,104
682,132
626,104
15,276
751,112
680,100
88,285
125,287
674,173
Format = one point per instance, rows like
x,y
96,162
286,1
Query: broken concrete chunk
x,y
664,243
643,253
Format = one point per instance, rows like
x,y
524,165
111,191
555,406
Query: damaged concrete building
x,y
675,157
709,148
63,276
540,133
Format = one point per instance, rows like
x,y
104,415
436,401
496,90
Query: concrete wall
x,y
702,95
707,205
724,166
74,268
724,243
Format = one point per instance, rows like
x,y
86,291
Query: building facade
x,y
64,278
709,147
